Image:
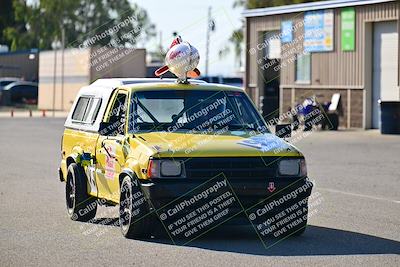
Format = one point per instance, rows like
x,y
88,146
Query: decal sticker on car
x,y
110,162
90,173
264,143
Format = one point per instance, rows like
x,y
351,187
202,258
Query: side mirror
x,y
283,130
105,128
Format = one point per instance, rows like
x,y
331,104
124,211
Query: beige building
x,y
61,76
321,48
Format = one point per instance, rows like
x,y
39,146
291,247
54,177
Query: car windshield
x,y
3,83
193,110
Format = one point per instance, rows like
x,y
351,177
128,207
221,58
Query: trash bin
x,y
390,117
333,121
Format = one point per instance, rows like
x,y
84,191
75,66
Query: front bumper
x,y
250,194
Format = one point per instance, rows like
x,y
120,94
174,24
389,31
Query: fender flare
x,y
131,169
74,156
126,172
71,159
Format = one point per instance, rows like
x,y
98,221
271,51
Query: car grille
x,y
234,168
249,177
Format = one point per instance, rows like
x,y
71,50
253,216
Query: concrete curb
x,y
34,114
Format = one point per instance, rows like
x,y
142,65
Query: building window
x,y
303,68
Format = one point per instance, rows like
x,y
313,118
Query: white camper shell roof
x,y
103,89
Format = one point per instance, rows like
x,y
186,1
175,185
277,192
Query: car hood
x,y
228,144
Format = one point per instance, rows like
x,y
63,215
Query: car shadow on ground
x,y
315,241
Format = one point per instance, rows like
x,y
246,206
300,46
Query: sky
x,y
189,19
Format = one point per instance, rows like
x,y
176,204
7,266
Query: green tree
x,y
41,24
250,4
19,33
6,19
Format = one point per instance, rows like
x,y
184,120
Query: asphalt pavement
x,y
356,220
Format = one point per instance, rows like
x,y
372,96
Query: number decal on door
x,y
90,173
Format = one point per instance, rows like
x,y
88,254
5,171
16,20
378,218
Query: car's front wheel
x,y
80,206
300,229
296,230
134,218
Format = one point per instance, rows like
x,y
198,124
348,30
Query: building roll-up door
x,y
385,67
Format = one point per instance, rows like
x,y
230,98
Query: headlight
x,y
171,168
166,168
292,167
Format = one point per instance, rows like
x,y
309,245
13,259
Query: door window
x,y
117,114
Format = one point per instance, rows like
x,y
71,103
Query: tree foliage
x,y
41,23
6,18
250,4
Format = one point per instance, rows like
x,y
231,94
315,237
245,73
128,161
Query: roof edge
x,y
308,7
115,82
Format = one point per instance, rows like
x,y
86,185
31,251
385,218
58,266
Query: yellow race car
x,y
184,158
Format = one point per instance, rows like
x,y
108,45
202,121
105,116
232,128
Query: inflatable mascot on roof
x,y
182,59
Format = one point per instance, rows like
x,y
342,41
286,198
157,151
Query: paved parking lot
x,y
357,222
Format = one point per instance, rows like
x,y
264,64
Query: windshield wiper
x,y
241,127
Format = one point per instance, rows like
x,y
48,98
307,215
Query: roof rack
x,y
114,82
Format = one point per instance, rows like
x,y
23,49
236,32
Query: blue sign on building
x,y
286,31
318,31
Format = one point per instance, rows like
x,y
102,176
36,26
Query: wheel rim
x,y
125,207
70,193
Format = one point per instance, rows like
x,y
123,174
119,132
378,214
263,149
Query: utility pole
x,y
62,65
160,44
54,79
208,37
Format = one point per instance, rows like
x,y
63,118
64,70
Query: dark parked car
x,y
6,81
20,92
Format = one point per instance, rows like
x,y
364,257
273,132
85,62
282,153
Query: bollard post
x,y
30,113
43,113
12,113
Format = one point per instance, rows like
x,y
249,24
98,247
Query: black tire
x,y
80,206
300,229
134,219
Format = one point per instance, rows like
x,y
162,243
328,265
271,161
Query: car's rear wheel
x,y
134,217
80,206
300,229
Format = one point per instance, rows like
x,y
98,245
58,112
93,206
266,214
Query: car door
x,y
110,152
